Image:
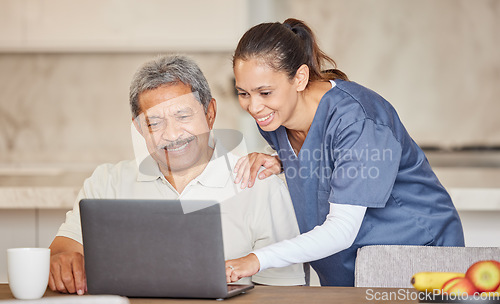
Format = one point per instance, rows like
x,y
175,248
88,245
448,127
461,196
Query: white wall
x,y
121,26
65,69
437,62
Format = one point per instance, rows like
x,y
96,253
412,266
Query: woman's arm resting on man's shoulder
x,y
248,167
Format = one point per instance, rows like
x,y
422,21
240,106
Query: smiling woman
x,y
263,93
274,71
349,196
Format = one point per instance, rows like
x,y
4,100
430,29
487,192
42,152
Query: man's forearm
x,y
64,244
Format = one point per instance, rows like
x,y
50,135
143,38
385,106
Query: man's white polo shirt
x,y
251,218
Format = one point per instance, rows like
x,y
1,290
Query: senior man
x,y
174,111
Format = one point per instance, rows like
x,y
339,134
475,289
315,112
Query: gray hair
x,y
165,70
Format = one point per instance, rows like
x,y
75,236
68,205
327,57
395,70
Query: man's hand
x,y
247,167
67,273
243,267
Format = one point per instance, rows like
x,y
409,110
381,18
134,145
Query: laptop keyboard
x,y
232,287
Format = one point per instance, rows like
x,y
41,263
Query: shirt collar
x,y
148,170
218,169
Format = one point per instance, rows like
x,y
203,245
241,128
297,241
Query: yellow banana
x,y
432,281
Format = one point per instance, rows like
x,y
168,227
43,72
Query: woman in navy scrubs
x,y
355,175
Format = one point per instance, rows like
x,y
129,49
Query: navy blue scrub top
x,y
358,152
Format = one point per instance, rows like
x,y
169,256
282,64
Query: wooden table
x,y
288,295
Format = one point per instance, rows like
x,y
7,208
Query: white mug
x,y
28,272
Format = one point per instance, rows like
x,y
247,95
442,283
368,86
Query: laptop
x,y
155,248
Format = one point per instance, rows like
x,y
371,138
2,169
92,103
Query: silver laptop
x,y
155,248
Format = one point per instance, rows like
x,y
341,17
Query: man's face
x,y
175,127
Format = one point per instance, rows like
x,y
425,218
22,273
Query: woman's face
x,y
269,96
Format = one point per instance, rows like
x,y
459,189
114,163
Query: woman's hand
x,y
247,167
243,267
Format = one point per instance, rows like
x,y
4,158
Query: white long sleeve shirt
x,y
337,233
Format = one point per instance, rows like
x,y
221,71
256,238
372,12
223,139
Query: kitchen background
x,y
65,69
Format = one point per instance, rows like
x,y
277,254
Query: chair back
x,y
394,265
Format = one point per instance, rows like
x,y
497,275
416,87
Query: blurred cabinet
x,y
26,228
481,228
127,25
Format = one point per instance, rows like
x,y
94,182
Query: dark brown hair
x,y
285,47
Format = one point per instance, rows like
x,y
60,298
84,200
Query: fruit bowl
x,y
479,284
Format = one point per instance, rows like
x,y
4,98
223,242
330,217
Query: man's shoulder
x,y
121,169
273,181
272,188
124,165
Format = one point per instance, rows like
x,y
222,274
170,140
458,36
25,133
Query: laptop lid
x,y
153,248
